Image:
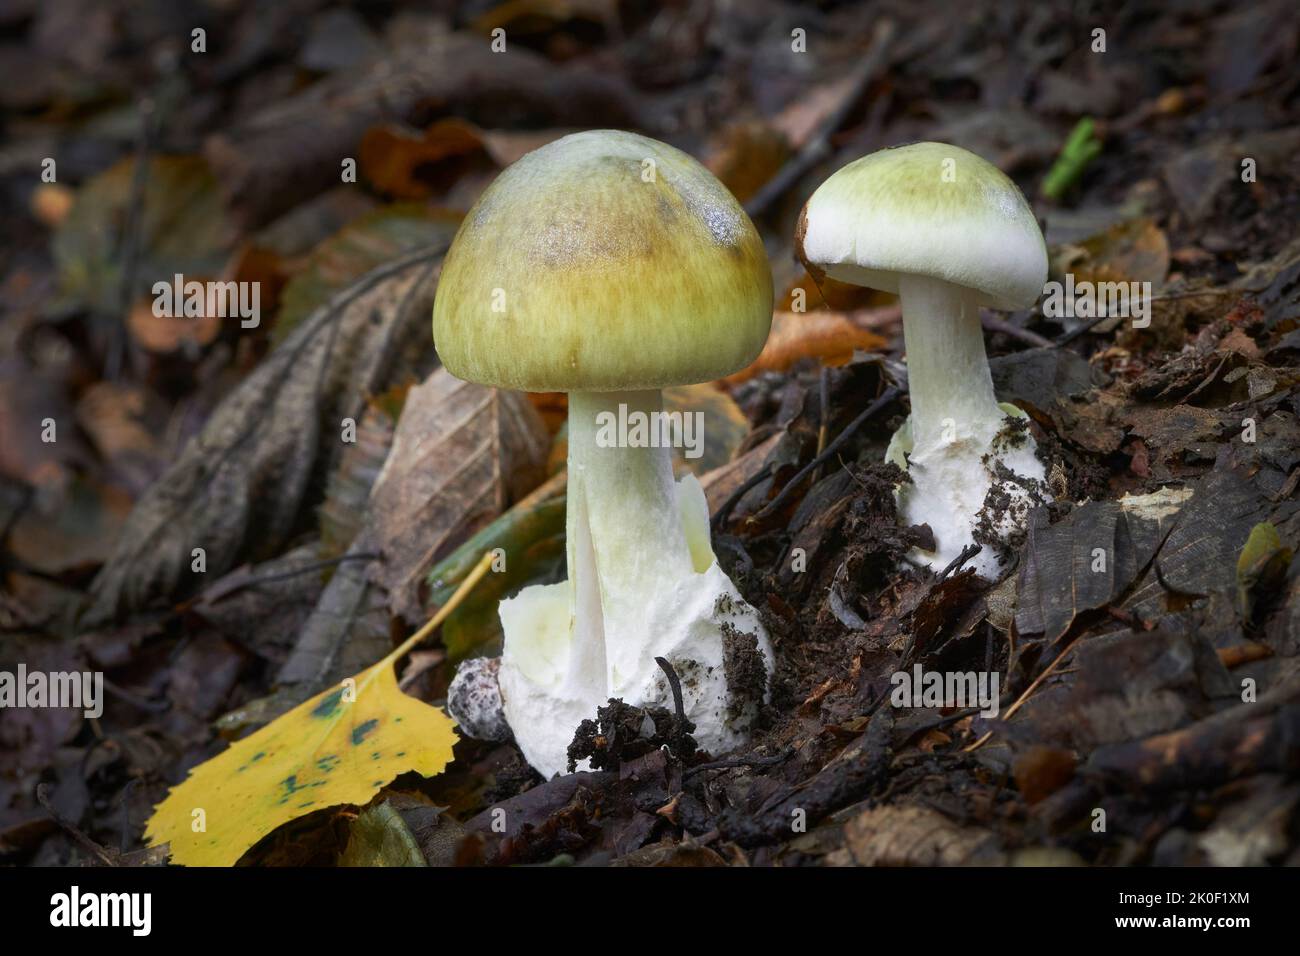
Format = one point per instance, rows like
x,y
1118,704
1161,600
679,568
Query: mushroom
x,y
609,266
948,233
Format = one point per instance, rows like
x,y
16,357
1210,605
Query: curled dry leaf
x,y
829,337
409,164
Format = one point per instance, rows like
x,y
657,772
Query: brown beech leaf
x,y
829,337
916,836
461,454
409,164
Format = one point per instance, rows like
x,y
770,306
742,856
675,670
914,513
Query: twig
x,y
257,582
818,147
1079,330
675,683
126,813
150,706
824,412
966,554
729,763
729,505
130,248
71,829
995,323
1023,697
887,396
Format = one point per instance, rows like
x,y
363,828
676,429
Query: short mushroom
x,y
948,233
609,266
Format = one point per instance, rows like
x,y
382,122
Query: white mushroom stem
x,y
950,442
947,370
624,531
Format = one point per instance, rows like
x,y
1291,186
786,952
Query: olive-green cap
x,y
926,209
604,261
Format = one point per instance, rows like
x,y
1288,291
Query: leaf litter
x,y
1159,682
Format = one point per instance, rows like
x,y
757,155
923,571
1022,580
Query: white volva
x,y
948,233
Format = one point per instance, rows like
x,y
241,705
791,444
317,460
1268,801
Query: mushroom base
x,y
977,487
643,583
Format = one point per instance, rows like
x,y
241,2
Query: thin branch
x,y
887,396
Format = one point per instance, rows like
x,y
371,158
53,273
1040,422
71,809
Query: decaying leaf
x,y
407,164
829,337
239,488
916,836
380,837
460,454
182,229
369,242
290,150
1090,558
1263,562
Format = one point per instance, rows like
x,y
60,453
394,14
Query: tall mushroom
x,y
609,266
948,233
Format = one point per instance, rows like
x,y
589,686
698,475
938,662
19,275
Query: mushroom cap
x,y
604,261
926,209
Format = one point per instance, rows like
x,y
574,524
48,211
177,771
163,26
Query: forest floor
x,y
206,533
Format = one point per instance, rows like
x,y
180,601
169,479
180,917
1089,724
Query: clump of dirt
x,y
745,671
877,542
622,732
1011,435
1003,521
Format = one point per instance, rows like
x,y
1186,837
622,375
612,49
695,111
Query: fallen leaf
x,y
460,455
182,229
1263,563
340,747
829,337
916,836
268,445
342,514
380,837
409,164
367,243
750,154
1090,558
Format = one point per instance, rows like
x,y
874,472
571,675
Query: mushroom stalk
x,y
625,539
947,369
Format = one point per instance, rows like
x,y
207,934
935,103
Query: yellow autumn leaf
x,y
340,747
